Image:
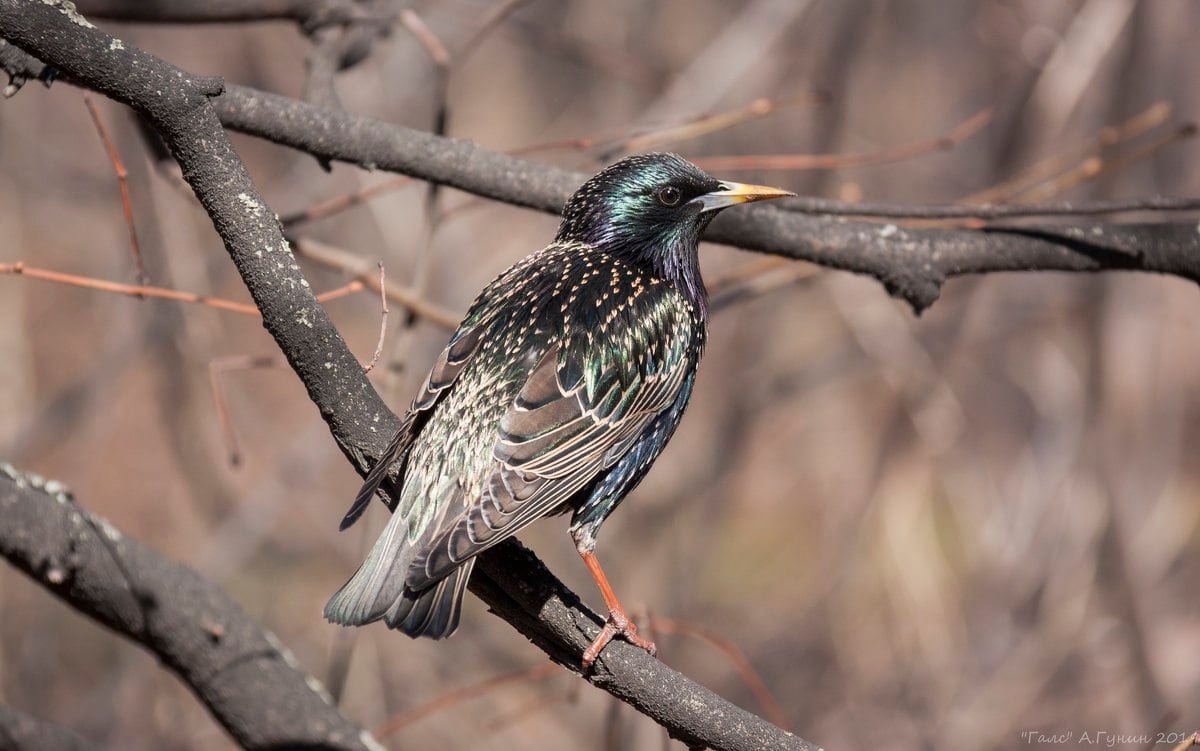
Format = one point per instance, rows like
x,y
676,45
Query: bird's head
x,y
651,209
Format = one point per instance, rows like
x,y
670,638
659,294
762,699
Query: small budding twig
x,y
123,184
383,319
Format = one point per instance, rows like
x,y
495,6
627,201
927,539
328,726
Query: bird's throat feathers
x,y
667,250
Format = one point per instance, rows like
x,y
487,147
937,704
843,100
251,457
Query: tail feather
x,y
432,612
377,590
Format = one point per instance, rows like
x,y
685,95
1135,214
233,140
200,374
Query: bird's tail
x,y
431,612
377,591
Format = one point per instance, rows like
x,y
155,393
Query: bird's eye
x,y
669,196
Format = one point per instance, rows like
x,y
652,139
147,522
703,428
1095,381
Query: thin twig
x,y
766,280
383,319
336,258
514,717
217,368
123,184
19,268
430,41
399,722
949,140
341,203
131,290
1061,160
749,675
1092,168
346,289
490,24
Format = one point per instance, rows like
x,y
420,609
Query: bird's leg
x,y
618,622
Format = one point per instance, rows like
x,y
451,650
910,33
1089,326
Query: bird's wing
x,y
449,364
581,409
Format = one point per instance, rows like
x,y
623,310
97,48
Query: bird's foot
x,y
618,624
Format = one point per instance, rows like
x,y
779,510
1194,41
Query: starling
x,y
557,392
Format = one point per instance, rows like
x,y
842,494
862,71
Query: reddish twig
x,y
458,696
336,258
430,41
525,711
341,203
945,142
135,290
1093,167
216,369
490,24
123,185
1146,120
383,318
346,289
132,290
749,675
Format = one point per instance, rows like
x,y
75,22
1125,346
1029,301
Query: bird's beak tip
x,y
731,194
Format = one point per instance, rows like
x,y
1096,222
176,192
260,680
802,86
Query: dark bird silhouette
x,y
557,392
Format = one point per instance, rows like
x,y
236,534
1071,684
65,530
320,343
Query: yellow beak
x,y
731,194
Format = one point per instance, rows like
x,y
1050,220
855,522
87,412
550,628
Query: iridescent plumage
x,y
560,388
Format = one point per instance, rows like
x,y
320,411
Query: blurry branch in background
x,y
912,263
1069,155
123,185
362,269
788,162
249,682
472,691
179,106
749,675
134,290
217,368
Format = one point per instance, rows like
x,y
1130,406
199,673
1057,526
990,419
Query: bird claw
x,y
618,624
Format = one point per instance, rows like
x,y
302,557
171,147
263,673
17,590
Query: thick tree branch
x,y
250,682
224,11
177,105
911,263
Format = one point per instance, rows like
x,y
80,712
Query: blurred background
x,y
933,532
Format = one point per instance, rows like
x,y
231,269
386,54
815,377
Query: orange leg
x,y
618,622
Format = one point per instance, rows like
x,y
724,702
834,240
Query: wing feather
x,y
450,363
568,424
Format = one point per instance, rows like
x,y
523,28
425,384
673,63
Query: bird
x,y
557,392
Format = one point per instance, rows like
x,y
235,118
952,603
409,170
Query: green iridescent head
x,y
651,209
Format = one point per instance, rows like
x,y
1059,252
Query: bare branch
x,y
912,263
248,681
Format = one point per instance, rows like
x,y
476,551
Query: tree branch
x,y
177,104
912,263
248,681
